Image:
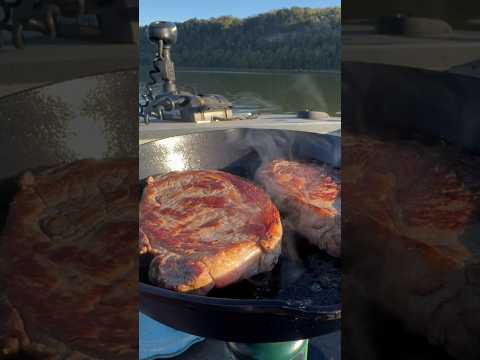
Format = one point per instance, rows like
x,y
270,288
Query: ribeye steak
x,y
309,194
207,229
70,266
411,235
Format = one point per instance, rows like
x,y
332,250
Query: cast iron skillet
x,y
296,310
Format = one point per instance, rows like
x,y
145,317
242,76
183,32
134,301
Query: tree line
x,y
296,38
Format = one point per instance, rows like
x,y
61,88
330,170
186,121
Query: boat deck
x,y
160,130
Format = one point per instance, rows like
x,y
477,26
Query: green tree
x,y
296,38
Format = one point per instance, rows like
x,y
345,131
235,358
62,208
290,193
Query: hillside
x,y
296,38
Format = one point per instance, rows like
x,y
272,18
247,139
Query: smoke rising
x,y
283,145
311,86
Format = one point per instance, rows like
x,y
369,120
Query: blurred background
x,y
43,41
410,80
437,34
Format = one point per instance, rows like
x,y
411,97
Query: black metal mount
x,y
162,100
19,15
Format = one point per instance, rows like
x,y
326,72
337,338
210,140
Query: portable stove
x,y
289,350
164,101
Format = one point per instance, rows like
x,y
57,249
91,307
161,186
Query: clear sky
x,y
181,10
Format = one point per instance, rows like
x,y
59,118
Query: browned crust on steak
x,y
207,229
71,278
422,192
309,194
413,210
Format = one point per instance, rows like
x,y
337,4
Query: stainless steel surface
x,y
163,130
49,125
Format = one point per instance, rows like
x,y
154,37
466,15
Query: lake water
x,y
266,91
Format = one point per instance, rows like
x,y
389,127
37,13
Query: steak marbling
x,y
309,194
70,268
207,229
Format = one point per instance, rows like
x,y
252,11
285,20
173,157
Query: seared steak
x,y
414,210
207,229
309,195
71,279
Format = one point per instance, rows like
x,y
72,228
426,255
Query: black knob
x,y
163,31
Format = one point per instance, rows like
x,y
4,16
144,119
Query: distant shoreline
x,y
248,70
210,70
182,69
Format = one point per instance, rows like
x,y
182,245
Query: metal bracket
x,y
31,15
